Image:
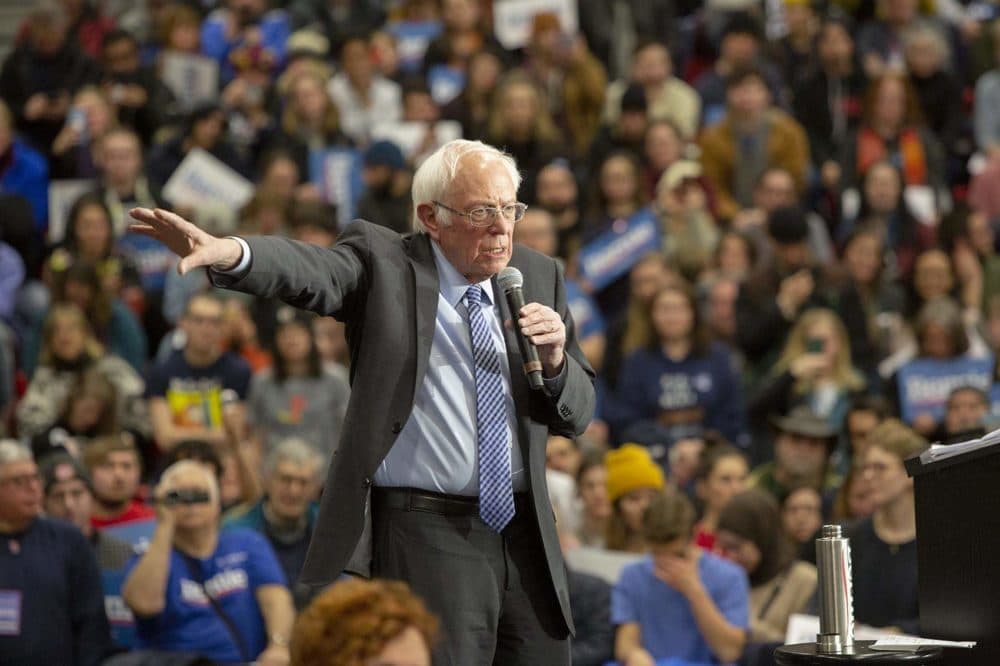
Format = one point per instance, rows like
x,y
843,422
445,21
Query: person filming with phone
x,y
221,594
815,369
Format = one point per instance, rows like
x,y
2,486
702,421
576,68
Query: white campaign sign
x,y
192,78
203,178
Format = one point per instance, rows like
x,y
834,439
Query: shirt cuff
x,y
554,385
240,269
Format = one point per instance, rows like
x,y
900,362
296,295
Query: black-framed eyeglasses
x,y
484,216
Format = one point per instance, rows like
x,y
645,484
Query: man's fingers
x,y
144,229
173,219
144,215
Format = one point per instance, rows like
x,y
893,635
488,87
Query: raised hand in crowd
x,y
795,290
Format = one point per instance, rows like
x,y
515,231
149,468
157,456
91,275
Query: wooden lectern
x,y
958,551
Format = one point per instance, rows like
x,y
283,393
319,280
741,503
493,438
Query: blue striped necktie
x,y
496,493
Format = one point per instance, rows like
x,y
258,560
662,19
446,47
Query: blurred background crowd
x,y
777,221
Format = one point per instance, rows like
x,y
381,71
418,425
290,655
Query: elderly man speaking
x,y
443,433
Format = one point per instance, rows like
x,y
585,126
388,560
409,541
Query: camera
x,y
175,497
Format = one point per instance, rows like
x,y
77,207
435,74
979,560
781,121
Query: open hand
x,y
194,246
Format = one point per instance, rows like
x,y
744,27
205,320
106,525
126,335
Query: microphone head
x,y
510,278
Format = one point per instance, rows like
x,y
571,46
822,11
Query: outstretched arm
x,y
301,274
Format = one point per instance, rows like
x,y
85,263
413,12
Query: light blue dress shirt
x,y
437,448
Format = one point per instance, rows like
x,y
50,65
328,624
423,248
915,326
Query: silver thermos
x,y
836,603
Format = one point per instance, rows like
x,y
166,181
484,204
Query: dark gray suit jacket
x,y
385,288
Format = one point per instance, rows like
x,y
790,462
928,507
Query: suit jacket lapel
x,y
426,289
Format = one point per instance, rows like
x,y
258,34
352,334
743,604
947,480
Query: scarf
x,y
909,155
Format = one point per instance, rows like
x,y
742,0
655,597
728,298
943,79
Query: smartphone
x,y
815,345
77,119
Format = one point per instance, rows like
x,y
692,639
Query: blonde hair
x,y
896,438
844,373
290,120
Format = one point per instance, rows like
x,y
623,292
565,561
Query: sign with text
x,y
203,179
194,79
924,384
512,19
612,254
337,174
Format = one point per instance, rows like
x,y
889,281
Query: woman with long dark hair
x,y
90,237
679,379
297,397
749,533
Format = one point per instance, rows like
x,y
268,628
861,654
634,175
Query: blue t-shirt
x,y
243,561
664,615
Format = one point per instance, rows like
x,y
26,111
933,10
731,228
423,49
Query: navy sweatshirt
x,y
51,600
700,389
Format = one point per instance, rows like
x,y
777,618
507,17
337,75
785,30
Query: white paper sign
x,y
203,178
192,78
62,195
409,136
512,19
803,629
912,643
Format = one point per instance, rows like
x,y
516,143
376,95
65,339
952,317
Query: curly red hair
x,y
352,621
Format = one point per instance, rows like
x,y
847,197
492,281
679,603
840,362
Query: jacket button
x,y
367,482
397,427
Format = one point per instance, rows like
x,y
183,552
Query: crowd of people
x,y
777,223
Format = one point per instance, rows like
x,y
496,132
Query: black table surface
x,y
805,653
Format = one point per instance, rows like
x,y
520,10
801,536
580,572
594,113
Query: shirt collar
x,y
452,285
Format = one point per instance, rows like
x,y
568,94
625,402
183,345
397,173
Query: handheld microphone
x,y
510,281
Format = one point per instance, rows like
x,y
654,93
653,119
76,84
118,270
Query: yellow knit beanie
x,y
631,467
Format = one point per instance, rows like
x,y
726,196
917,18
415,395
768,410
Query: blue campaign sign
x,y
119,616
337,174
446,83
613,253
412,40
137,533
586,316
924,384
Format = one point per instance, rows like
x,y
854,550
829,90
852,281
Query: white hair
x,y
432,179
187,465
915,35
12,451
293,450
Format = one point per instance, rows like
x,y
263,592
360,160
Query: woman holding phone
x,y
814,369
